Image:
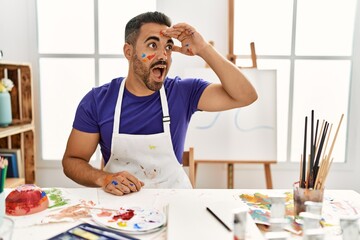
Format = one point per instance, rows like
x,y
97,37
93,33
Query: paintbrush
x,y
319,151
96,208
303,168
313,167
312,152
327,163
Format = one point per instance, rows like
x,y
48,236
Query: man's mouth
x,y
159,70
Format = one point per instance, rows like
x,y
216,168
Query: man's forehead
x,y
153,29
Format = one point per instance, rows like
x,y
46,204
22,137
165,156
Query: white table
x,y
190,222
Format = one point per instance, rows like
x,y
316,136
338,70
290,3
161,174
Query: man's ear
x,y
128,50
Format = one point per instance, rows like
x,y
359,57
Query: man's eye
x,y
169,47
152,45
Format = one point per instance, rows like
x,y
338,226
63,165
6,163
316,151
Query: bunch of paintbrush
x,y
314,168
3,171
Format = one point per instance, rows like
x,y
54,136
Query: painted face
x,y
152,56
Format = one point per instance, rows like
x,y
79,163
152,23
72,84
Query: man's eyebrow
x,y
158,39
152,38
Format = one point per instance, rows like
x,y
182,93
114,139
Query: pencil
x,y
217,218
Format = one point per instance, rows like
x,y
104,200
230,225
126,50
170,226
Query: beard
x,y
143,72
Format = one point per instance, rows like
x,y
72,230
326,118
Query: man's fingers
x,y
121,183
171,33
111,188
128,185
130,180
176,49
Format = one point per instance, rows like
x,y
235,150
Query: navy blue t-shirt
x,y
139,115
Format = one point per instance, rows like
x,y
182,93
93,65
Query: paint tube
x,y
240,220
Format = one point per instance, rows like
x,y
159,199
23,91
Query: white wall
x,y
15,30
211,21
18,42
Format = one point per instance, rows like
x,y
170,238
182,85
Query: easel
x,y
230,163
253,56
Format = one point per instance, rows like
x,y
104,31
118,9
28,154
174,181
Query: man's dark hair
x,y
132,28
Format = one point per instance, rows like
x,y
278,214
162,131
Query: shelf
x,y
16,129
20,134
14,182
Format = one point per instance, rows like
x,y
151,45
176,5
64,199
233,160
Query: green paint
x,y
56,197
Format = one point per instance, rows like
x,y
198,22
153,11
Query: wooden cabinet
x,y
20,133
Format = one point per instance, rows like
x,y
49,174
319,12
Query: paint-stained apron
x,y
150,158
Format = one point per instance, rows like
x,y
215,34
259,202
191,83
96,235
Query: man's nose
x,y
162,54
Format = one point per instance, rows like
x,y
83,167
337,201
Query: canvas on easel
x,y
248,133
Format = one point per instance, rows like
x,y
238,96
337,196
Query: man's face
x,y
152,55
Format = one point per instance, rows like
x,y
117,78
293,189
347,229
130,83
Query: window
x,y
84,38
313,66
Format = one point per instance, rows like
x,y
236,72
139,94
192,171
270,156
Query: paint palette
x,y
134,220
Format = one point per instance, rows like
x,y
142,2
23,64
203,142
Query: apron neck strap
x,y
164,106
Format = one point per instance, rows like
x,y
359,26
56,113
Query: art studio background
x,y
19,44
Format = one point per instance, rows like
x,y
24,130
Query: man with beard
x,y
140,120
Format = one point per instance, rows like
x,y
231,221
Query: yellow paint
x,y
122,224
84,234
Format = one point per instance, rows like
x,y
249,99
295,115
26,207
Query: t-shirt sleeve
x,y
198,86
86,114
202,84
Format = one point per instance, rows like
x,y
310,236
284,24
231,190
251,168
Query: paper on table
x,y
189,219
225,211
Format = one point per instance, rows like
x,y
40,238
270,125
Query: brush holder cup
x,y
302,195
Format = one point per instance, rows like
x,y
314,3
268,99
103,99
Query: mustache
x,y
161,62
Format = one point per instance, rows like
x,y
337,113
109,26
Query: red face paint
x,y
151,56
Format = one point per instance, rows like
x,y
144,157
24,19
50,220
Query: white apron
x,y
150,158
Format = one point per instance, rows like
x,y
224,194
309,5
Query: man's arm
x,y
234,91
80,147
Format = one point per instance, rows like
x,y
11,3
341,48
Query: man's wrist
x,y
104,180
204,51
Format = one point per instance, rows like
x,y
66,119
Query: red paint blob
x,y
124,216
26,199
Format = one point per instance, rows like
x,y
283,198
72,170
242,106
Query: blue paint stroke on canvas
x,y
236,122
252,128
212,123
